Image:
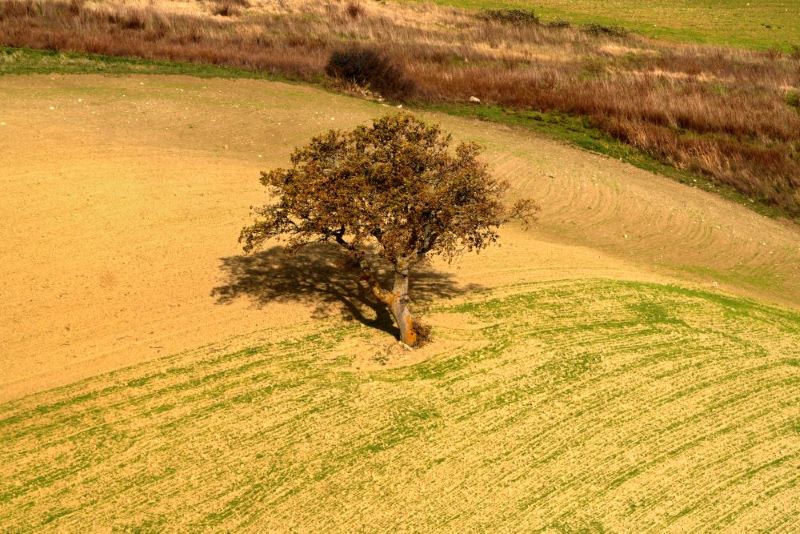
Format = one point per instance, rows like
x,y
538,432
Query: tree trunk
x,y
402,312
397,301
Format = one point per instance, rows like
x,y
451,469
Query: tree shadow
x,y
322,274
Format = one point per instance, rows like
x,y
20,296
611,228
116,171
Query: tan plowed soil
x,y
122,195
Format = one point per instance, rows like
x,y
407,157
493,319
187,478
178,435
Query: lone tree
x,y
393,190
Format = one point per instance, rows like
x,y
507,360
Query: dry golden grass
x,y
722,112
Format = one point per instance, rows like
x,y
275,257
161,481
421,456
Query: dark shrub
x,y
609,31
12,10
133,19
511,16
558,24
76,6
793,99
371,69
225,10
354,10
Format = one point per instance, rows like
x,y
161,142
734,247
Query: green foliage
x,y
745,23
793,99
28,61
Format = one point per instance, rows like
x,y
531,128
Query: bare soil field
x,y
123,195
602,370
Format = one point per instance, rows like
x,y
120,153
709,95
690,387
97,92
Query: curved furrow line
x,y
714,463
767,521
782,481
776,485
210,371
539,431
147,451
211,401
640,470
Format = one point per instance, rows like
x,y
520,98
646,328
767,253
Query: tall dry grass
x,y
722,112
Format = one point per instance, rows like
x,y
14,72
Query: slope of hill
x,y
730,22
125,192
605,369
569,406
727,116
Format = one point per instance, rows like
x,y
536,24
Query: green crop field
x,y
765,24
566,406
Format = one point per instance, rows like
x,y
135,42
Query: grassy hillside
x,y
572,406
766,24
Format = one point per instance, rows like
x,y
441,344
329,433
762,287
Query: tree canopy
x,y
395,189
